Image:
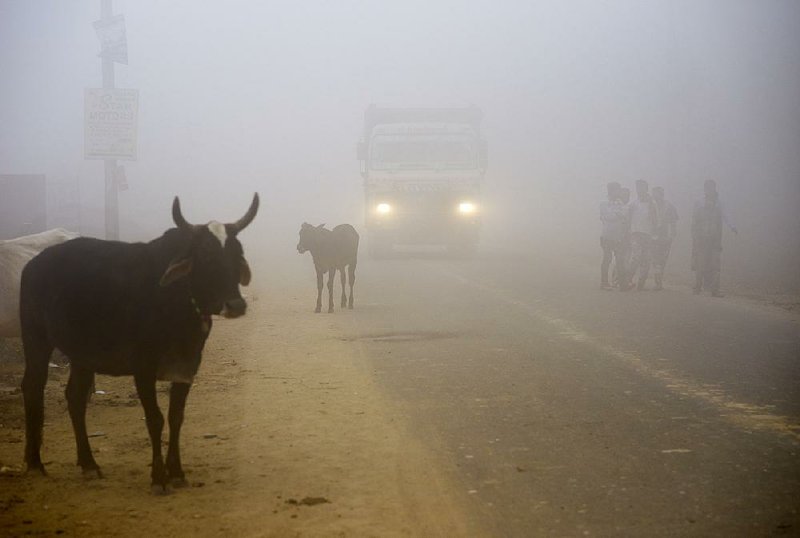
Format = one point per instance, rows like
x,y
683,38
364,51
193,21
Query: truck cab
x,y
422,171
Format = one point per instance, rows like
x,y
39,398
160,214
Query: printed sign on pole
x,y
113,41
110,123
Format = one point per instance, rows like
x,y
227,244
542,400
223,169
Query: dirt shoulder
x,y
285,435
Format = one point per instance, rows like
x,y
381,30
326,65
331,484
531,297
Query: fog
x,y
245,96
498,390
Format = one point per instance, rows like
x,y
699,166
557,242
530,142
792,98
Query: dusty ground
x,y
285,435
497,396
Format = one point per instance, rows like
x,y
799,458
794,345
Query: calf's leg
x,y
177,402
320,274
331,276
80,383
344,285
146,387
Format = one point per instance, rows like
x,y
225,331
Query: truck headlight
x,y
383,208
467,208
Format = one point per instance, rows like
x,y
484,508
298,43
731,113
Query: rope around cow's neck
x,y
205,319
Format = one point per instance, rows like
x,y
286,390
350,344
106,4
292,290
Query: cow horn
x,y
177,216
248,217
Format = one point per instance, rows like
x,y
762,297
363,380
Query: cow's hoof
x,y
92,473
35,470
350,307
159,489
317,310
330,311
178,482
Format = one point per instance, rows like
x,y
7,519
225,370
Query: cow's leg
x,y
344,286
37,357
146,387
351,269
331,276
177,402
320,274
80,383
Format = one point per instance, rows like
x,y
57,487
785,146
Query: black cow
x,y
140,309
331,250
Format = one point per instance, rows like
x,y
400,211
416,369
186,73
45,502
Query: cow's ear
x,y
177,269
321,226
244,272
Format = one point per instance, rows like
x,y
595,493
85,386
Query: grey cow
x,y
331,250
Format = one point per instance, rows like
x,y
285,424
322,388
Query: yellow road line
x,y
744,415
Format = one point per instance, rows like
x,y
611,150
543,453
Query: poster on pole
x,y
113,41
110,123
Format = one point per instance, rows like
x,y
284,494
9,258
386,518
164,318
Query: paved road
x,y
491,397
565,410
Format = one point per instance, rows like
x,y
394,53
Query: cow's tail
x,y
351,267
354,261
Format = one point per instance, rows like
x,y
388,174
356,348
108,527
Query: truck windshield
x,y
422,152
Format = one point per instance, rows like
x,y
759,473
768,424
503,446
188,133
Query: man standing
x,y
707,221
613,215
623,285
644,220
665,234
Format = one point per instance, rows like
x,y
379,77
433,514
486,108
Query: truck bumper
x,y
425,231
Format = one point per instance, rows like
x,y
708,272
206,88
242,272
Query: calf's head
x,y
213,262
309,235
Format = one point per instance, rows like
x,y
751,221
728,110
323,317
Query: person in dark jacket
x,y
707,223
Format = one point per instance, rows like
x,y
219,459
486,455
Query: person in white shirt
x,y
666,231
614,217
644,220
622,284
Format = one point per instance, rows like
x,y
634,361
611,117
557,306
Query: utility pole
x,y
112,200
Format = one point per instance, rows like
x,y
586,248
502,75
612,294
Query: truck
x,y
422,170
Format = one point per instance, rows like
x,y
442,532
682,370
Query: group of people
x,y
638,235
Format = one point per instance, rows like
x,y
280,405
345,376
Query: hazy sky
x,y
239,96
